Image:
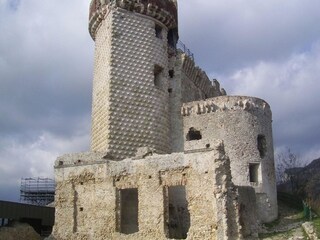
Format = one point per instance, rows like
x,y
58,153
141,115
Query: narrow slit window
x,y
193,134
128,211
262,145
158,76
158,31
177,216
172,38
254,172
171,73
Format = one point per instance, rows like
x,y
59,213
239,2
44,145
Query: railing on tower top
x,y
183,47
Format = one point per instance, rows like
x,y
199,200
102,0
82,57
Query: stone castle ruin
x,y
172,156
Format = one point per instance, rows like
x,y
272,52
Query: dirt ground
x,y
287,227
19,231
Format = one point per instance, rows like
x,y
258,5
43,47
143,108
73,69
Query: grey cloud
x,y
226,35
46,62
291,87
46,69
268,49
262,48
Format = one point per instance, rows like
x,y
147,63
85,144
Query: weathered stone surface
x,y
128,110
144,93
238,121
309,229
86,196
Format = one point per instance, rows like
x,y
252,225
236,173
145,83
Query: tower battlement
x,y
163,11
200,78
226,103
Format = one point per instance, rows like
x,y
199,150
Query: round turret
x,y
245,126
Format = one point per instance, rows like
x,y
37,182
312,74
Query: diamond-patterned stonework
x,y
129,111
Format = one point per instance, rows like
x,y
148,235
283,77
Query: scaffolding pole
x,y
37,191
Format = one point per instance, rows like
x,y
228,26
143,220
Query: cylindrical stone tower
x,y
130,84
245,126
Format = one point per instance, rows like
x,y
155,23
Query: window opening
x,y
128,211
173,38
157,76
177,216
171,73
262,145
158,31
254,172
193,134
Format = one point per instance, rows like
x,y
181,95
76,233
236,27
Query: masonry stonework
x,y
126,93
91,212
239,121
172,156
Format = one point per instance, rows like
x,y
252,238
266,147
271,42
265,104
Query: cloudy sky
x,y
264,48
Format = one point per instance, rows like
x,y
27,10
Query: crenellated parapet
x,y
226,103
164,11
200,78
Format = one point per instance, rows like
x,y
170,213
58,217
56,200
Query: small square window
x,y
254,172
193,134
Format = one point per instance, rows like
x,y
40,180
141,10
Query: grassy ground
x,y
287,226
297,232
316,223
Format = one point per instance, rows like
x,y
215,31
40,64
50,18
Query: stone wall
x,y
130,86
175,103
187,83
245,126
87,195
196,85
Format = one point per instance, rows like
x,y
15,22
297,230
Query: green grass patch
x,y
272,224
316,223
284,235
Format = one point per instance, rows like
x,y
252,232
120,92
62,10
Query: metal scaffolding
x,y
37,191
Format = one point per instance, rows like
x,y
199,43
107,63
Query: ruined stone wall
x,y
87,195
188,83
130,109
239,122
195,83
